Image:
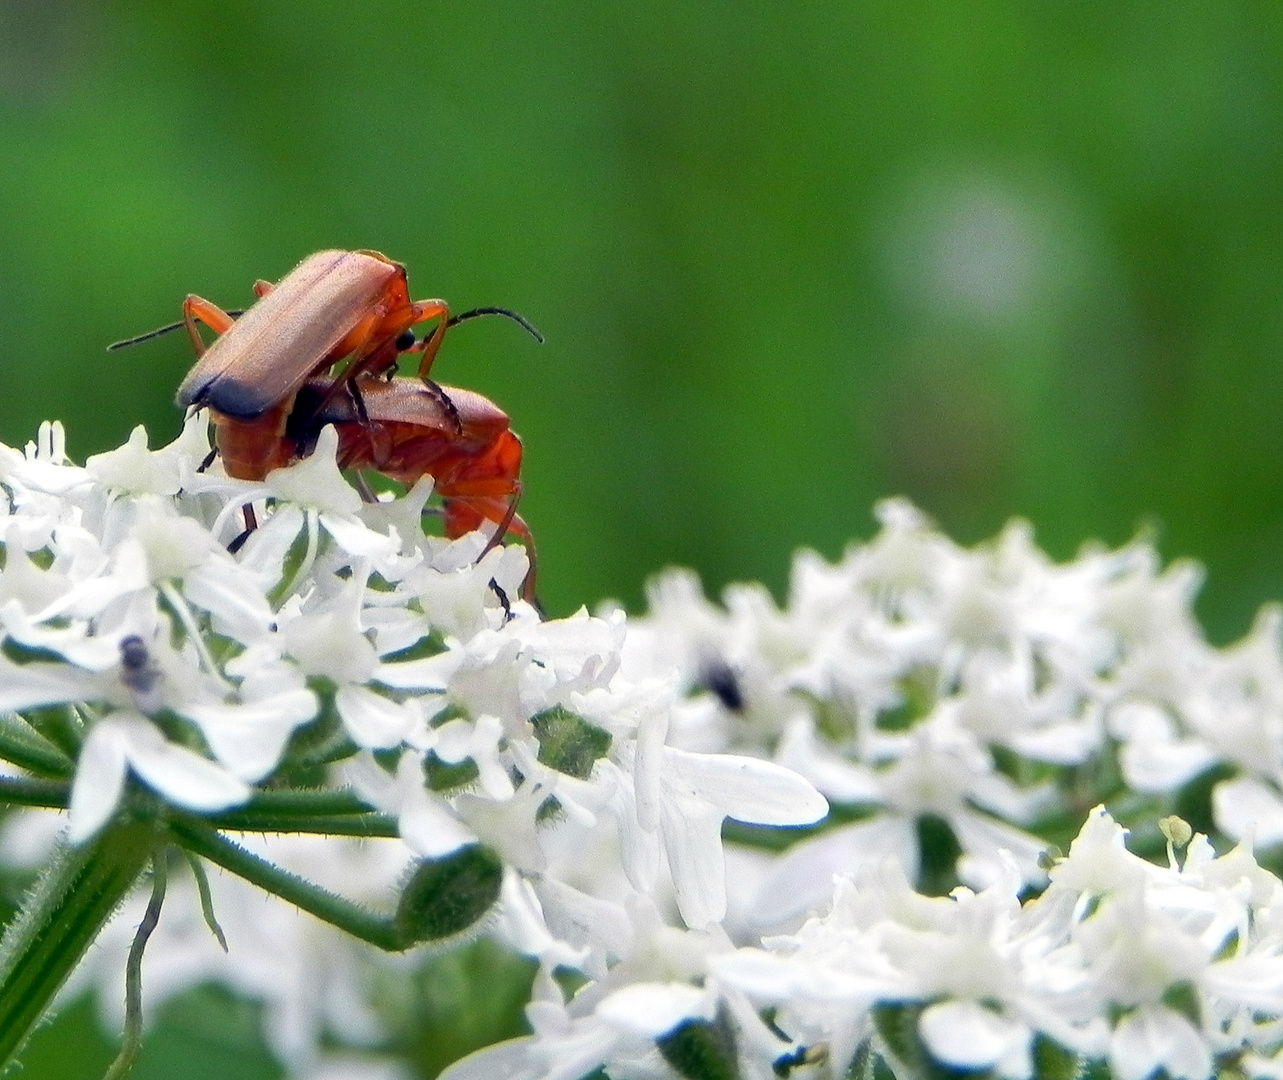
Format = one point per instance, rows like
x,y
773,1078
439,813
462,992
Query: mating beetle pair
x,y
265,381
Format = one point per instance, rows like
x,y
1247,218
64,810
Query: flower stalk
x,y
374,929
60,919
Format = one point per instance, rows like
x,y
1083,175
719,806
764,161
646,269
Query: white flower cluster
x,y
993,690
137,645
987,690
979,686
1148,967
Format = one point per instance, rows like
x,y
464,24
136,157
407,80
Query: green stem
x,y
378,930
20,791
368,826
132,1040
308,801
70,904
335,813
206,898
20,745
180,608
337,747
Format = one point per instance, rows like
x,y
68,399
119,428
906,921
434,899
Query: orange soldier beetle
x,y
403,429
333,305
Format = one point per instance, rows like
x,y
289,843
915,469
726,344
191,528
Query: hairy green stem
x,y
307,801
132,1041
378,930
306,810
368,826
61,917
20,791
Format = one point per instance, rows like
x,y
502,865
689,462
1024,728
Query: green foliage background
x,y
1005,257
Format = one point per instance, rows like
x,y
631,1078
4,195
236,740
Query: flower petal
x,y
693,843
100,778
182,776
966,1035
1155,1037
250,738
747,789
1246,806
28,686
500,1061
373,721
654,1009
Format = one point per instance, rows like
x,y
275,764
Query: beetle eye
x,y
405,341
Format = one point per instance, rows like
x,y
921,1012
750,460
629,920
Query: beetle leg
x,y
355,391
209,459
364,362
520,529
423,311
196,308
363,487
503,525
251,523
504,603
464,513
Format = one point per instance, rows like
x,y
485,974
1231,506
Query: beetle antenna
x,y
143,337
520,320
157,333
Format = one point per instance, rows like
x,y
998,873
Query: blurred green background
x,y
1005,258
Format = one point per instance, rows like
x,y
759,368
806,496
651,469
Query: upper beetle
x,y
334,304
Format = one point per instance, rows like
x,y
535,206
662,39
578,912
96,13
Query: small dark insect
x,y
139,673
720,679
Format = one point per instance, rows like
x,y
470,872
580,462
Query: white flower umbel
x,y
915,680
949,708
163,674
1149,967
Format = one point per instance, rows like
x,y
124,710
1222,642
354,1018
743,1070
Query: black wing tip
x,y
227,396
